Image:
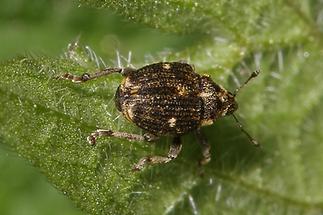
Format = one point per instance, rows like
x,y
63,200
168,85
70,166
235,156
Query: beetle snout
x,y
232,105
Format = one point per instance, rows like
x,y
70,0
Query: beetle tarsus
x,y
91,139
174,150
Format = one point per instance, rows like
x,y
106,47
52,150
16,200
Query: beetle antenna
x,y
251,139
253,75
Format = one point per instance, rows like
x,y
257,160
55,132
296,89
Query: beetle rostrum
x,y
167,99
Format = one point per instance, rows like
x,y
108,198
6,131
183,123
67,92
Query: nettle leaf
x,y
46,120
245,20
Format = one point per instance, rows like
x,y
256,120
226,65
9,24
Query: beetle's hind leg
x,y
205,147
173,152
109,133
90,76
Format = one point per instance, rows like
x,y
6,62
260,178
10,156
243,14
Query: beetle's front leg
x,y
205,147
109,133
90,76
173,152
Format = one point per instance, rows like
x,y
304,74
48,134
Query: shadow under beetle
x,y
167,98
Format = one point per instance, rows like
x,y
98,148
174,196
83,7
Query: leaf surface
x,y
47,120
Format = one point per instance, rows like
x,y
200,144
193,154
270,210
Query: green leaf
x,y
245,21
46,120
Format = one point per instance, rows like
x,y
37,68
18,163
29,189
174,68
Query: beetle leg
x,y
131,137
205,147
90,76
173,152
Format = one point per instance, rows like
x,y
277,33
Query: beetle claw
x,y
91,139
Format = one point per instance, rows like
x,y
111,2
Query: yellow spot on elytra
x,y
129,112
125,83
172,122
134,90
206,122
166,66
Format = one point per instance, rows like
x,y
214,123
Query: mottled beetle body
x,y
171,99
167,98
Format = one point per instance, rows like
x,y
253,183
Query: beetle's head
x,y
231,104
219,102
225,103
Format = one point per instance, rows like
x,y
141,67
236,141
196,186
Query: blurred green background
x,y
44,27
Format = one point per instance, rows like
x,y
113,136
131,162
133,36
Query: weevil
x,y
167,99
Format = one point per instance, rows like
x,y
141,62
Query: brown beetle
x,y
167,98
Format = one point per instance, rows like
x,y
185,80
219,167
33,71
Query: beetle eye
x,y
233,107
